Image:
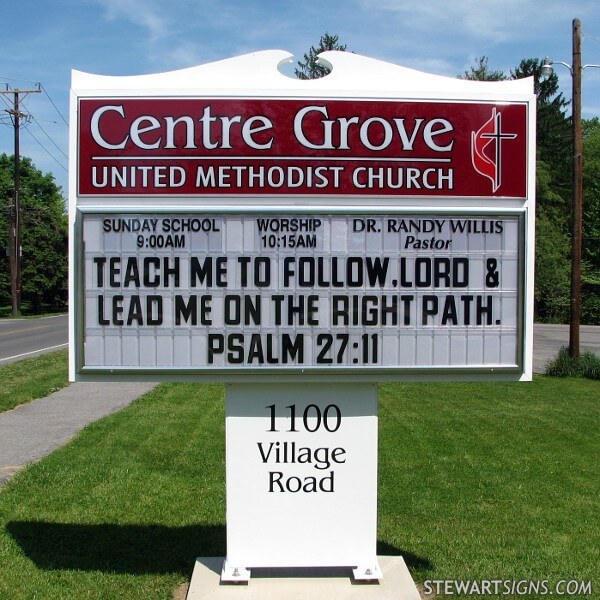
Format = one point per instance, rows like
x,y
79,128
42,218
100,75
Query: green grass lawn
x,y
493,481
26,380
487,481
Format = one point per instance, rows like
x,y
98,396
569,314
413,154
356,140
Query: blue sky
x,y
44,39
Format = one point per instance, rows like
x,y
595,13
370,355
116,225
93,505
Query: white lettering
x,y
327,143
171,122
95,127
137,129
429,133
248,130
387,133
407,142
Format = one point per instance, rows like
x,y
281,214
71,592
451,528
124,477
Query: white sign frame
x,y
334,372
257,76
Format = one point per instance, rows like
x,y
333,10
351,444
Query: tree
x,y
310,68
591,193
480,71
553,189
552,252
43,235
590,278
554,133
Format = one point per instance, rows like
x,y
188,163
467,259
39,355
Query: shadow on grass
x,y
135,549
412,560
132,549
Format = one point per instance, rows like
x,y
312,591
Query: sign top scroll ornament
x,y
350,73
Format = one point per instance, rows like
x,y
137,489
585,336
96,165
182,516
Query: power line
x,y
46,149
41,87
9,109
51,122
587,35
5,101
22,80
55,107
46,134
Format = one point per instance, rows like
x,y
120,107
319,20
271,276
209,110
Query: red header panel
x,y
161,146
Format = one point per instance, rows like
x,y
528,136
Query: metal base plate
x,y
234,574
370,572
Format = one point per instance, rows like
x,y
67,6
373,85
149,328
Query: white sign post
x,y
301,477
301,241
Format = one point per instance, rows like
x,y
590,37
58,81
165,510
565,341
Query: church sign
x,y
301,241
300,232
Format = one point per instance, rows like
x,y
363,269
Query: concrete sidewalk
x,y
33,430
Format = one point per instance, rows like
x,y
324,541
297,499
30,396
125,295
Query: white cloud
x,y
495,21
150,15
188,32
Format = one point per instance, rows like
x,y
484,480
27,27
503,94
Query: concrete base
x,y
303,584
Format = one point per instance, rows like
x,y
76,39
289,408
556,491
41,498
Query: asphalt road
x,y
548,340
24,338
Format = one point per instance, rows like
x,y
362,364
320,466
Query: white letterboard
x,y
301,292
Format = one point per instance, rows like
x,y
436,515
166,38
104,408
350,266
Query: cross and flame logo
x,y
486,149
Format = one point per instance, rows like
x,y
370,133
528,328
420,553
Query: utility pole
x,y
14,205
577,208
576,69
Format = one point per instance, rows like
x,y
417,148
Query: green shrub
x,y
564,365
